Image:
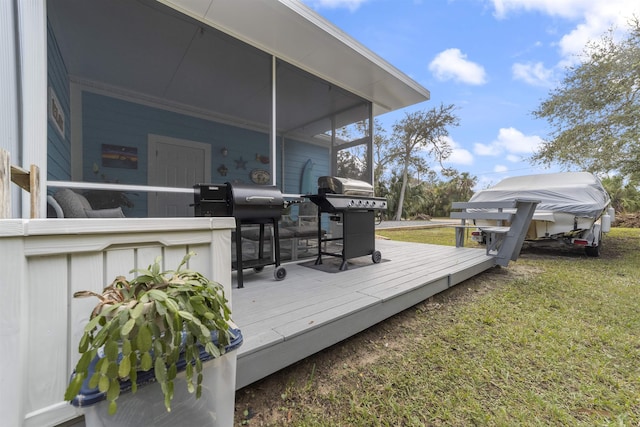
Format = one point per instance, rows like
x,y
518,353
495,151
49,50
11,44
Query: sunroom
x,y
148,98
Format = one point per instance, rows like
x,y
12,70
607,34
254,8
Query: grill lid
x,y
346,186
255,201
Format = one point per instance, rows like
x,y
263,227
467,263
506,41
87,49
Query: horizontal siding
x,y
58,146
113,121
296,155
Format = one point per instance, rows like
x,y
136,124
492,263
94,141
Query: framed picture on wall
x,y
56,114
119,156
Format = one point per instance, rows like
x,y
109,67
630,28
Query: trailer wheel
x,y
280,273
594,251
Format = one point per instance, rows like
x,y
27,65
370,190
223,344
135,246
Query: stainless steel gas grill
x,y
249,205
350,202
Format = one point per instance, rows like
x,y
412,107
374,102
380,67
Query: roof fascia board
x,y
308,14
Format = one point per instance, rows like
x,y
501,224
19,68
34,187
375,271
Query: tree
x,y
382,156
419,133
350,165
459,188
625,197
595,112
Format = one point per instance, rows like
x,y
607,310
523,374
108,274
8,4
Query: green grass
x,y
554,339
437,236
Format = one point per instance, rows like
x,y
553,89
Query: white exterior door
x,y
176,163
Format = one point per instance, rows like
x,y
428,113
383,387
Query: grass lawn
x,y
553,339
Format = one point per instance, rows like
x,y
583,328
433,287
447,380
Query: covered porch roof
x,y
290,30
169,50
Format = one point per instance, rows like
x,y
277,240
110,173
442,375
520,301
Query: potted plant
x,y
160,322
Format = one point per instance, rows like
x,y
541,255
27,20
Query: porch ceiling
x,y
290,30
166,53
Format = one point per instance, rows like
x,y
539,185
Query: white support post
x,y
9,116
32,42
5,184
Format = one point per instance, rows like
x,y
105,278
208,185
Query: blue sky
x,y
496,60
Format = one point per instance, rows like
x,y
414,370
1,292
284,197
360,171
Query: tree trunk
x,y
403,189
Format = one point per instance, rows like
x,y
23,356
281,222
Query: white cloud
x,y
533,74
564,8
500,169
352,5
511,144
593,18
515,142
485,149
459,155
452,64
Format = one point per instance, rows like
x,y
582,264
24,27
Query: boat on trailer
x,y
574,209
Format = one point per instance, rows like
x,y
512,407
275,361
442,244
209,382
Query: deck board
x,y
285,321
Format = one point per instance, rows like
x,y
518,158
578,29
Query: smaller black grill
x,y
249,205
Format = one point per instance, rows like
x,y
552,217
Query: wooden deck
x,y
285,321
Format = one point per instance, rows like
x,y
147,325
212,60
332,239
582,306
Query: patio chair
x,y
66,203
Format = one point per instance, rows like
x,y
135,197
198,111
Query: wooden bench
x,y
502,241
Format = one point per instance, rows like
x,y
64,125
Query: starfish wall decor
x,y
241,163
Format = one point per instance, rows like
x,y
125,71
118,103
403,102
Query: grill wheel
x,y
280,273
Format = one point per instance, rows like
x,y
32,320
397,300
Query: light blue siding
x,y
296,155
117,122
58,146
113,121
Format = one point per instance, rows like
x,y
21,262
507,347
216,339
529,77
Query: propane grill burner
x,y
355,207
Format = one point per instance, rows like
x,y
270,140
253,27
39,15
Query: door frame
x,y
152,146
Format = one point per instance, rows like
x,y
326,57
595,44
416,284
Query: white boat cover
x,y
577,193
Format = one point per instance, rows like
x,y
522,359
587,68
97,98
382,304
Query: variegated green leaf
x,y
93,381
212,349
112,370
111,350
85,360
136,311
126,347
102,366
160,370
124,367
103,383
172,372
144,339
74,387
114,390
145,361
157,295
83,345
113,407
